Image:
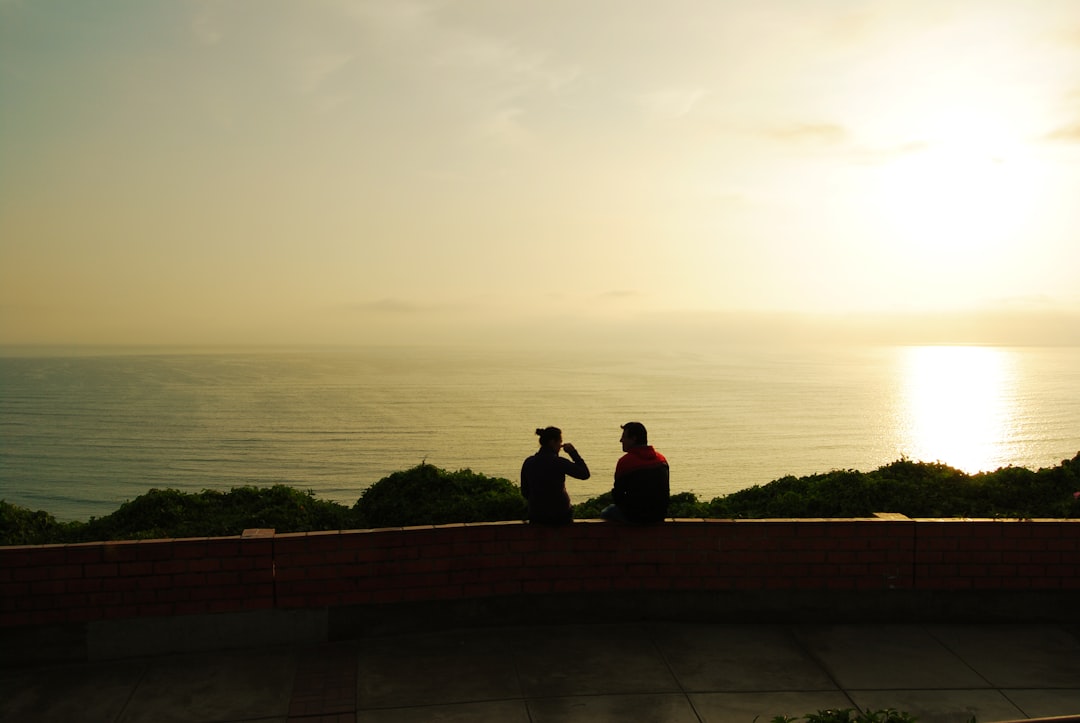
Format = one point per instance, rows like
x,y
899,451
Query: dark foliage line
x,y
428,495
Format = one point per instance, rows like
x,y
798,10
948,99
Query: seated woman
x,y
543,478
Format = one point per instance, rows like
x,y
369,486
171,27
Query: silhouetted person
x,y
642,480
543,478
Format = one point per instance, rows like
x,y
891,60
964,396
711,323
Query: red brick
x,y
239,563
189,579
191,548
506,587
118,584
136,569
233,546
264,602
289,574
23,574
189,607
47,587
84,585
141,597
153,550
170,567
204,565
13,619
255,576
117,551
16,556
50,555
48,617
222,578
65,571
104,598
257,547
384,596
153,582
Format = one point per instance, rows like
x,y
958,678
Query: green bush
x,y
20,526
172,513
590,509
427,495
915,489
850,715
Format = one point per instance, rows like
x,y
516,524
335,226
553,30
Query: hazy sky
x,y
343,172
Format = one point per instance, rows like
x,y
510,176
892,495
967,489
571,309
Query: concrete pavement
x,y
647,671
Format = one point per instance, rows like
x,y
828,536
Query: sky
x,y
355,172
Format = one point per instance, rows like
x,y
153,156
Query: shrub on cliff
x,y
20,526
915,489
211,513
428,495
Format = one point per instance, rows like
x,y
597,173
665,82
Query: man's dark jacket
x,y
642,485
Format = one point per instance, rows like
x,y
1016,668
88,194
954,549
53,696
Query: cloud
x,y
877,156
814,133
496,79
671,103
619,294
206,27
392,19
387,306
314,70
504,127
1065,134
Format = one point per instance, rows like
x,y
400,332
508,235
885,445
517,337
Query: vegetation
x,y
915,489
849,715
428,495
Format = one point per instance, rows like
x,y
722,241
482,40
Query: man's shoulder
x,y
640,458
649,455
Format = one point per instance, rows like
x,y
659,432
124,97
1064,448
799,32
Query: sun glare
x,y
956,406
967,191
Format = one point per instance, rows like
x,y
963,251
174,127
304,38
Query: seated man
x,y
642,486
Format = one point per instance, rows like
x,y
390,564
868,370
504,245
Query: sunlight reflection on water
x,y
959,406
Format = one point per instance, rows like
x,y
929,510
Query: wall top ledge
x,y
595,524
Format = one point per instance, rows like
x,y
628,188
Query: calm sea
x,y
81,433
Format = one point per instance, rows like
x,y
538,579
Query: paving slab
x,y
213,687
503,711
739,658
69,693
898,657
941,706
764,706
666,707
1016,656
436,669
591,660
1043,703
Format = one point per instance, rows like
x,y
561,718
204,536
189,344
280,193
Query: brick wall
x,y
54,584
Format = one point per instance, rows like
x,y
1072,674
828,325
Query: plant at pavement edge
x,y
428,495
849,715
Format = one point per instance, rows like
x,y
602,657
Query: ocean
x,y
81,432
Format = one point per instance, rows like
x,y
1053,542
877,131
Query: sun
x,y
965,191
